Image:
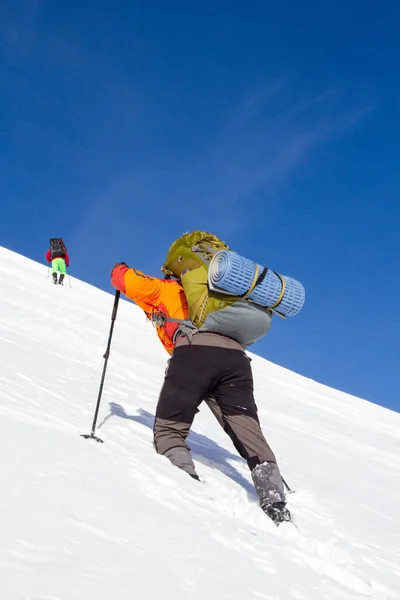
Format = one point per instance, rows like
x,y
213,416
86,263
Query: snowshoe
x,y
278,513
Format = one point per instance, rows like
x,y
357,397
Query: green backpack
x,y
188,260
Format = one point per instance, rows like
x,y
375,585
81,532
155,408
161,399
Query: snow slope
x,y
83,521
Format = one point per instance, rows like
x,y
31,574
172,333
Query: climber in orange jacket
x,y
204,365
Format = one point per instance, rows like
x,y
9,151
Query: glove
x,y
117,265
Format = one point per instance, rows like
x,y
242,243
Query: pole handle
x,y
115,307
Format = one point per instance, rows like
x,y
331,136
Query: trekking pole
x,y
48,272
69,279
106,356
286,486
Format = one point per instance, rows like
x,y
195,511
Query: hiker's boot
x,y
269,486
55,278
181,458
278,513
61,280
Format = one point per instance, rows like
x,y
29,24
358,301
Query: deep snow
x,y
83,521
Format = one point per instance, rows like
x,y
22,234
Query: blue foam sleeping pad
x,y
231,273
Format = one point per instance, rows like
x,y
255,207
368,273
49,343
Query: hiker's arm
x,y
48,256
141,288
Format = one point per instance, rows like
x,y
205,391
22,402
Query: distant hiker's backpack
x,y
57,248
188,260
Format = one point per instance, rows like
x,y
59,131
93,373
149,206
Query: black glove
x,y
117,265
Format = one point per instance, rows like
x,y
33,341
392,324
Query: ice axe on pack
x,y
92,435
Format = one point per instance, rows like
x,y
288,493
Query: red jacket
x,y
64,256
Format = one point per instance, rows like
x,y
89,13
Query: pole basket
x,y
91,436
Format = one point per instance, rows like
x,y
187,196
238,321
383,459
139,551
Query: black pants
x,y
198,372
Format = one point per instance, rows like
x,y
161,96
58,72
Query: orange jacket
x,y
153,295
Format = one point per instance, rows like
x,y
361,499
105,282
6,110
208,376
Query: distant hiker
x,y
58,257
204,366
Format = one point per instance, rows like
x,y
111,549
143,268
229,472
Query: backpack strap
x,y
159,318
184,329
259,279
275,304
204,252
252,286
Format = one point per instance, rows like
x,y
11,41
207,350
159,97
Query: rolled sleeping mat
x,y
230,273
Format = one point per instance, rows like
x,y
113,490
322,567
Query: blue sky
x,y
274,125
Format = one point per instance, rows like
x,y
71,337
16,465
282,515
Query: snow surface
x,y
81,520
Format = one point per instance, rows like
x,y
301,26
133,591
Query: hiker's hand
x,y
117,265
118,276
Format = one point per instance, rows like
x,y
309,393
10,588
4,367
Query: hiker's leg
x,y
245,433
234,396
215,409
235,399
227,424
54,264
185,386
63,271
54,269
61,266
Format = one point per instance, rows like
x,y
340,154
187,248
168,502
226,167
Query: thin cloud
x,y
270,135
260,145
264,140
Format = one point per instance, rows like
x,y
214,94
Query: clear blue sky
x,y
275,125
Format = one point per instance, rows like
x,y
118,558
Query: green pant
x,y
58,264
